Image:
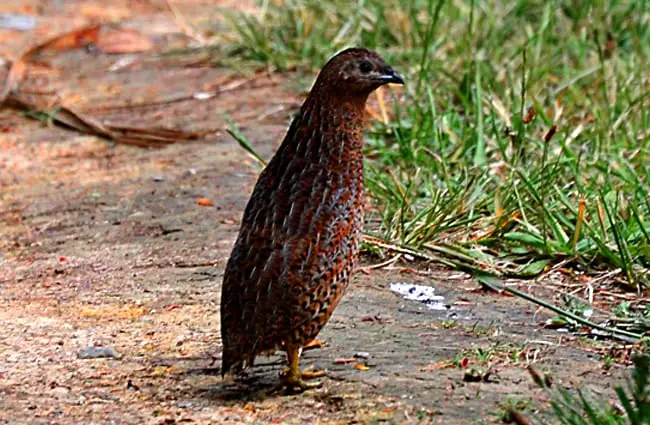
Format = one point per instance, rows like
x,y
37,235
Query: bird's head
x,y
356,72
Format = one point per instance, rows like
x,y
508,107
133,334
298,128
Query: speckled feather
x,y
300,233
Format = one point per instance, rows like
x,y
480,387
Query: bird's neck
x,y
329,129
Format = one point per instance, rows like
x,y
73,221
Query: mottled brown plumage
x,y
300,234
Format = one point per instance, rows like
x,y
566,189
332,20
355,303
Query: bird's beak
x,y
390,76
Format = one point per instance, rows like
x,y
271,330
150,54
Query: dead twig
x,y
184,26
613,332
381,265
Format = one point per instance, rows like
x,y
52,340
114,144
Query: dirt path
x,y
106,246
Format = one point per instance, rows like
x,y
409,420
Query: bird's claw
x,y
312,374
294,383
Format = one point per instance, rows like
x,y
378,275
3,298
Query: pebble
x,y
362,355
99,352
60,392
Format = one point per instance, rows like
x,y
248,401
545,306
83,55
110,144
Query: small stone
x,y
99,352
158,178
184,404
131,386
60,392
362,355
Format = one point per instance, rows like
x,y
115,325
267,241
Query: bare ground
x,y
106,246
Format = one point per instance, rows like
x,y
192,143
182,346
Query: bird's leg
x,y
291,377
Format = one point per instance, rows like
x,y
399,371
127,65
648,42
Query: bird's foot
x,y
292,379
294,383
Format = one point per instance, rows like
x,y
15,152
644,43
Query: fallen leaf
x,y
90,312
162,370
359,366
314,343
123,41
113,311
73,40
13,78
65,41
131,312
204,202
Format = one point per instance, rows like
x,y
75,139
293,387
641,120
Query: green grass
x,y
577,407
461,173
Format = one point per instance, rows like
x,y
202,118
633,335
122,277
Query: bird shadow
x,y
251,385
256,383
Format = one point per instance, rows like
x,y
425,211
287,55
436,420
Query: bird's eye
x,y
365,67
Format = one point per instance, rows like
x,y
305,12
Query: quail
x,y
301,230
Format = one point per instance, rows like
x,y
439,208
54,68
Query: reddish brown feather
x,y
300,233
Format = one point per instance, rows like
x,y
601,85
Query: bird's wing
x,y
273,261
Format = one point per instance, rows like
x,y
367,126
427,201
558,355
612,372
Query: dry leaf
x,y
550,133
314,343
131,312
204,202
171,307
530,115
73,40
70,40
113,311
13,78
359,366
162,371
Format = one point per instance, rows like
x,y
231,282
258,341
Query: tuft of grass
x,y
520,141
575,407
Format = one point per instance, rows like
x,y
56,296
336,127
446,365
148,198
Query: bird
x,y
301,230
